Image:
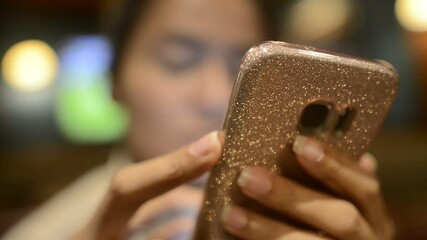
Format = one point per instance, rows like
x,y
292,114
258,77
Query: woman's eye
x,y
178,58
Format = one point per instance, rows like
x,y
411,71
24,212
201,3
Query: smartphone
x,y
284,90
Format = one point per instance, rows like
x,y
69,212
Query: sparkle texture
x,y
276,81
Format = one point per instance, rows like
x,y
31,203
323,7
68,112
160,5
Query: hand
x,y
134,185
360,214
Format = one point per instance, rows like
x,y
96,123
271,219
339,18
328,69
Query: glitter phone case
x,y
284,90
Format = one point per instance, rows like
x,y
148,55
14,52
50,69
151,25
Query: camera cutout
x,y
314,117
321,116
343,122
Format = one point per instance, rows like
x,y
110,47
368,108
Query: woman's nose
x,y
216,86
217,82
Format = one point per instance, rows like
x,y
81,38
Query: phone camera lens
x,y
314,116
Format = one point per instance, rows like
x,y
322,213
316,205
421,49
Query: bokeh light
x,y
85,111
313,20
29,66
88,114
412,14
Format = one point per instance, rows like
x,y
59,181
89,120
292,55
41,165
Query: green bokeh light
x,y
86,113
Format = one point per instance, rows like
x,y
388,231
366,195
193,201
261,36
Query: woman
x,y
176,61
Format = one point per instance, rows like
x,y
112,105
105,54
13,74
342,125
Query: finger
x,y
249,225
145,180
335,171
184,197
368,163
334,216
345,177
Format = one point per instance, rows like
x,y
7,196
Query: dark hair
x,y
132,10
126,19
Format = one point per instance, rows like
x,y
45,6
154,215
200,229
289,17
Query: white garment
x,y
66,212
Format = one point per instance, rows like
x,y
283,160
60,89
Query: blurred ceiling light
x,y
314,20
412,14
30,66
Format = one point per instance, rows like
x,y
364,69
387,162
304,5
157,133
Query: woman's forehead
x,y
233,22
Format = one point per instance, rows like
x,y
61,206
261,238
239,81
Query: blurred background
x,y
57,118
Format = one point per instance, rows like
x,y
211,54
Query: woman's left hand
x,y
360,214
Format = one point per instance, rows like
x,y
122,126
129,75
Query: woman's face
x,y
179,67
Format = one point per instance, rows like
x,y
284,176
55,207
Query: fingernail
x,y
204,146
308,149
368,162
234,217
298,144
254,181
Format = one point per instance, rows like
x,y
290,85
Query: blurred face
x,y
179,67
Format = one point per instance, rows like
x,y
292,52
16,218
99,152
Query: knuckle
x,y
176,168
118,186
371,191
289,199
329,167
351,223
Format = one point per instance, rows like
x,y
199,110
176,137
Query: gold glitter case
x,y
284,90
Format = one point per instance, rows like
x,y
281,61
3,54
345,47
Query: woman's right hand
x,y
137,183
